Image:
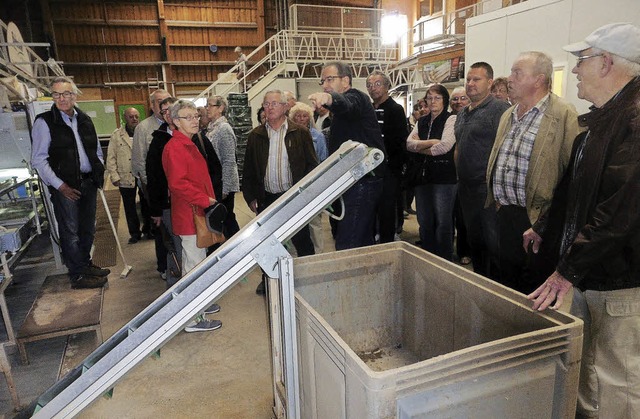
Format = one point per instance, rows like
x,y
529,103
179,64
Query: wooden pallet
x,y
59,310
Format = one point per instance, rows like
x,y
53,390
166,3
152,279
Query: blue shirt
x,y
40,150
320,144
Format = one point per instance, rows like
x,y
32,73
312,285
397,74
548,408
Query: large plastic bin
x,y
393,331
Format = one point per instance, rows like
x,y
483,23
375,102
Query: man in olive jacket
x,y
528,159
278,155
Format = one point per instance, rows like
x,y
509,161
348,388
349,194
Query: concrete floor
x,y
220,374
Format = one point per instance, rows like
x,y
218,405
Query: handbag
x,y
204,237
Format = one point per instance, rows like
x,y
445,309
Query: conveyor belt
x,y
167,316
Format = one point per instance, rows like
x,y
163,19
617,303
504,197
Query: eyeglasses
x,y
164,111
458,98
66,95
580,59
433,98
190,118
212,106
370,85
329,79
271,104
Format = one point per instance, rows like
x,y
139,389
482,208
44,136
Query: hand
x,y
156,221
530,237
69,192
319,99
554,288
211,201
253,205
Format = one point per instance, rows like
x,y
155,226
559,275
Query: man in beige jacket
x,y
119,167
528,159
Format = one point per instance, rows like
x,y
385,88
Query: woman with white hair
x,y
302,114
191,190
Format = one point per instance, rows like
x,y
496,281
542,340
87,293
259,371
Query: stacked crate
x,y
239,117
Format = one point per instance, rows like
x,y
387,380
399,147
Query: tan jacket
x,y
549,157
119,158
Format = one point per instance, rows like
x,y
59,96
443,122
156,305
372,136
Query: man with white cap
x,y
594,221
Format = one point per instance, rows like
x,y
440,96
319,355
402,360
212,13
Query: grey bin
x,y
393,331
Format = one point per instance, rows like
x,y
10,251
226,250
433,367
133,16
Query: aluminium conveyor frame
x,y
145,334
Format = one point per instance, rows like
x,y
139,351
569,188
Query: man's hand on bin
x,y
553,289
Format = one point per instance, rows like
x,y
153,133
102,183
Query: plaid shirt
x,y
512,163
277,178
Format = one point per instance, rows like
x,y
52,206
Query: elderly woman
x,y
190,188
435,190
302,114
223,140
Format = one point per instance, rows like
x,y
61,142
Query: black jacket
x,y
157,191
594,220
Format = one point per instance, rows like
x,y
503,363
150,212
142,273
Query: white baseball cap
x,y
622,39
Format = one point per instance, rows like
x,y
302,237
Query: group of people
x,y
549,199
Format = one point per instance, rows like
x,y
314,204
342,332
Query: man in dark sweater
x,y
475,129
393,123
353,119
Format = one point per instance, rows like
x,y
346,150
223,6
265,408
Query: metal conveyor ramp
x,y
168,315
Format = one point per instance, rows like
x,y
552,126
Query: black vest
x,y
439,169
63,151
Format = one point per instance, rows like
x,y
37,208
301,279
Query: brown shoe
x,y
88,281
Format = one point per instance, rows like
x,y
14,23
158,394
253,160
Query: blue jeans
x,y
76,226
434,207
356,229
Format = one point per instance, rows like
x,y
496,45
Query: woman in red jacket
x,y
189,187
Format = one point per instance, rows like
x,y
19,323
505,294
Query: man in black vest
x,y
67,155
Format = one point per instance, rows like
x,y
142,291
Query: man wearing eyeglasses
x,y
353,119
67,155
142,137
594,224
278,155
529,156
393,124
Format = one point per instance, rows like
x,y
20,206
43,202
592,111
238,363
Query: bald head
x,y
131,118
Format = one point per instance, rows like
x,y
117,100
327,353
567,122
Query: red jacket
x,y
189,182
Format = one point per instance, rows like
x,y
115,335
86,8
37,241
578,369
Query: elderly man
x,y
278,155
475,130
594,218
141,139
119,168
353,119
393,124
67,155
458,99
529,157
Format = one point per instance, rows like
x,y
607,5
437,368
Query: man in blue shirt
x,y
67,155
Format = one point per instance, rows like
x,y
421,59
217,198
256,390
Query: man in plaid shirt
x,y
530,155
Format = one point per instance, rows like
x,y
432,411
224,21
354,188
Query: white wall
x,y
544,25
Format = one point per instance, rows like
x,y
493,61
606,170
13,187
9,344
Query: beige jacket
x,y
119,158
549,157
